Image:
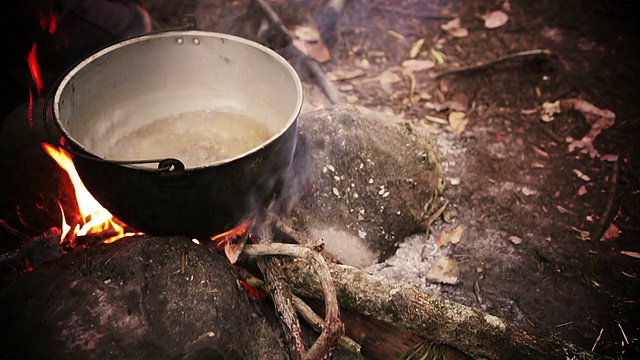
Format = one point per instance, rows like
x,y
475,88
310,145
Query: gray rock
x,y
368,180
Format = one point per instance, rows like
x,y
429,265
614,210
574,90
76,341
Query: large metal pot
x,y
131,84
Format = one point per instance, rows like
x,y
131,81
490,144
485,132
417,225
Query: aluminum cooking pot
x,y
152,86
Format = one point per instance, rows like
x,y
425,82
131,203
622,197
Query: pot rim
x,y
176,33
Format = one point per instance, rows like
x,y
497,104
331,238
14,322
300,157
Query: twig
x,y
623,334
334,329
329,21
310,64
550,133
434,216
271,268
422,15
481,66
305,311
604,219
597,339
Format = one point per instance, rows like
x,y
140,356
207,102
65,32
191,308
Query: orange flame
x,y
34,68
95,219
229,236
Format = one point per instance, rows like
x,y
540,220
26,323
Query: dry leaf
x,y
609,157
549,110
583,234
444,270
515,240
453,237
309,42
581,175
564,210
633,254
455,29
612,233
527,191
339,75
582,190
458,121
387,78
495,19
415,49
437,55
541,152
418,65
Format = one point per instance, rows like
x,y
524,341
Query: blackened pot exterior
x,y
199,202
159,75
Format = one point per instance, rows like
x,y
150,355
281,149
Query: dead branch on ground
x,y
309,64
474,332
488,64
334,328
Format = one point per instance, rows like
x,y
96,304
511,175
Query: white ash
x,y
406,265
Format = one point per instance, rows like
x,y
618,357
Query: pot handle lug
x,y
188,22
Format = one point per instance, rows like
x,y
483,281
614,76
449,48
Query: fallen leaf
x,y
549,110
495,19
541,152
453,237
458,121
415,49
459,102
582,190
515,240
506,6
609,157
387,78
529,111
418,65
437,55
455,29
583,234
612,233
444,270
563,210
581,175
340,75
307,39
633,254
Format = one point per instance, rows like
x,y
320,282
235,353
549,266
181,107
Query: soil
x,y
532,249
535,248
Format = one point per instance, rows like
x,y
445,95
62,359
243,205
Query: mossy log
x,y
476,333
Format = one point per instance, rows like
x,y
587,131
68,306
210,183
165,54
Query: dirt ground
x,y
533,213
537,246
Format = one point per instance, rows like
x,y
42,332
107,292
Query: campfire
x,y
92,218
348,178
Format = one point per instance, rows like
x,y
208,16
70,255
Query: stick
x,y
310,64
334,328
329,21
422,15
271,268
465,69
479,334
604,220
305,311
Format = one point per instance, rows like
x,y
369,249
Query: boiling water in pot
x,y
196,138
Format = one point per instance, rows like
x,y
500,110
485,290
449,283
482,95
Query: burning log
x,y
132,300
